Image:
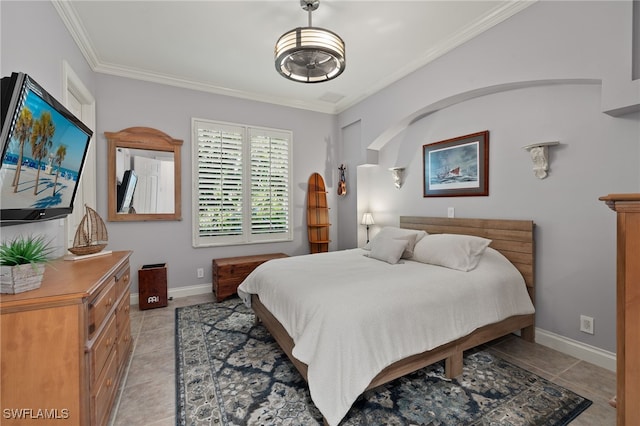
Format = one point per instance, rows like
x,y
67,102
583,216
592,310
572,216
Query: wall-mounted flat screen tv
x,y
44,147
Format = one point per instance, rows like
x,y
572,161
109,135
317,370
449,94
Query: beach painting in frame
x,y
457,167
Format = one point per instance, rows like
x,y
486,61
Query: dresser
x,y
229,272
65,346
627,208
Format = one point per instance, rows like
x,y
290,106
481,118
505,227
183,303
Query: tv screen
x,y
44,148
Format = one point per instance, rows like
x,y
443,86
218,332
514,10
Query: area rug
x,y
230,371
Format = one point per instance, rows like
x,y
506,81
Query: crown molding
x,y
77,31
490,19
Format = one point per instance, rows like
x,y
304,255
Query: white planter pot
x,y
19,278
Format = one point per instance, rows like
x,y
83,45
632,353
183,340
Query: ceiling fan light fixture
x,y
310,54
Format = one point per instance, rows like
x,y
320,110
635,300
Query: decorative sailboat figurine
x,y
91,235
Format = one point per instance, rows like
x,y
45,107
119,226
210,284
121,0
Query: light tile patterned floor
x,y
147,395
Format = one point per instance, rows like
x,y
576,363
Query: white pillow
x,y
389,250
391,232
461,252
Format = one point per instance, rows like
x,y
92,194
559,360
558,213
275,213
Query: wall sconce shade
x,y
398,176
310,54
540,157
367,219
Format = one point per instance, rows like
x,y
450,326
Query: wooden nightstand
x,y
229,272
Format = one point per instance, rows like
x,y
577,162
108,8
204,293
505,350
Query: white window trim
x,y
247,237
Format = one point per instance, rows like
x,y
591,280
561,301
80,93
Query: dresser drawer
x,y
123,278
101,349
100,307
123,346
123,328
103,393
122,311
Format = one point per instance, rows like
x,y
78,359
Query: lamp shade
x,y
367,219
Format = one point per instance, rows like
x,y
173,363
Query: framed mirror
x,y
143,175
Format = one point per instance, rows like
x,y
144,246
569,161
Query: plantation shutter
x,y
220,185
242,184
269,182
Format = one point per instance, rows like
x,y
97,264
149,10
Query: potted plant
x,y
22,262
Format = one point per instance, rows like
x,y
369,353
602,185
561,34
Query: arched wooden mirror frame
x,y
142,138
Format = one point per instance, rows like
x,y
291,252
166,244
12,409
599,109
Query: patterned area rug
x,y
230,371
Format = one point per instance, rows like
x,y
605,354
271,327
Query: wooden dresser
x,y
65,346
229,272
627,207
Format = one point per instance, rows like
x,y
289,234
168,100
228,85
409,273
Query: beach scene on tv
x,y
42,160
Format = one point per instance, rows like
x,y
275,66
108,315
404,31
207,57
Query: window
x,y
242,185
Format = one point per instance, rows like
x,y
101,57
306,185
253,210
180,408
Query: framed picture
x,y
457,167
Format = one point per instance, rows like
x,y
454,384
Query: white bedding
x,y
351,316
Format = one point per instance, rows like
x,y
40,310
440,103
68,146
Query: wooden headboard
x,y
513,238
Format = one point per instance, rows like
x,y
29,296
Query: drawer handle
x,y
109,383
109,302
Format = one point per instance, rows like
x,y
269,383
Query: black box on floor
x,y
152,286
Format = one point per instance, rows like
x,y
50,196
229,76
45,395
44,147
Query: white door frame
x,y
73,87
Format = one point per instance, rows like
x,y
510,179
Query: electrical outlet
x,y
586,324
451,212
200,272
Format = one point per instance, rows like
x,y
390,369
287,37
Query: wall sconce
x,y
398,175
367,219
540,157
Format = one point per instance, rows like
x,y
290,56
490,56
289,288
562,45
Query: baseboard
x,y
192,290
591,354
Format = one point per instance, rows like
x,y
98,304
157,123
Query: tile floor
x,y
147,395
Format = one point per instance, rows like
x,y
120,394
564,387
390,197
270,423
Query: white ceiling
x,y
226,47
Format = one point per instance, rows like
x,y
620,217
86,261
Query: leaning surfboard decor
x,y
317,215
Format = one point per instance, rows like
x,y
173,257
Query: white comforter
x,y
350,316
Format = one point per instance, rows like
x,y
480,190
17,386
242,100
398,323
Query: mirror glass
x,y
144,175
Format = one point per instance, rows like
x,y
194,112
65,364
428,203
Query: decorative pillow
x,y
410,242
391,232
461,252
389,250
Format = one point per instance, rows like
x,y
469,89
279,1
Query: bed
x,y
312,306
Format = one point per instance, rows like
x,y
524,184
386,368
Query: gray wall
x,y
125,103
539,76
34,40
